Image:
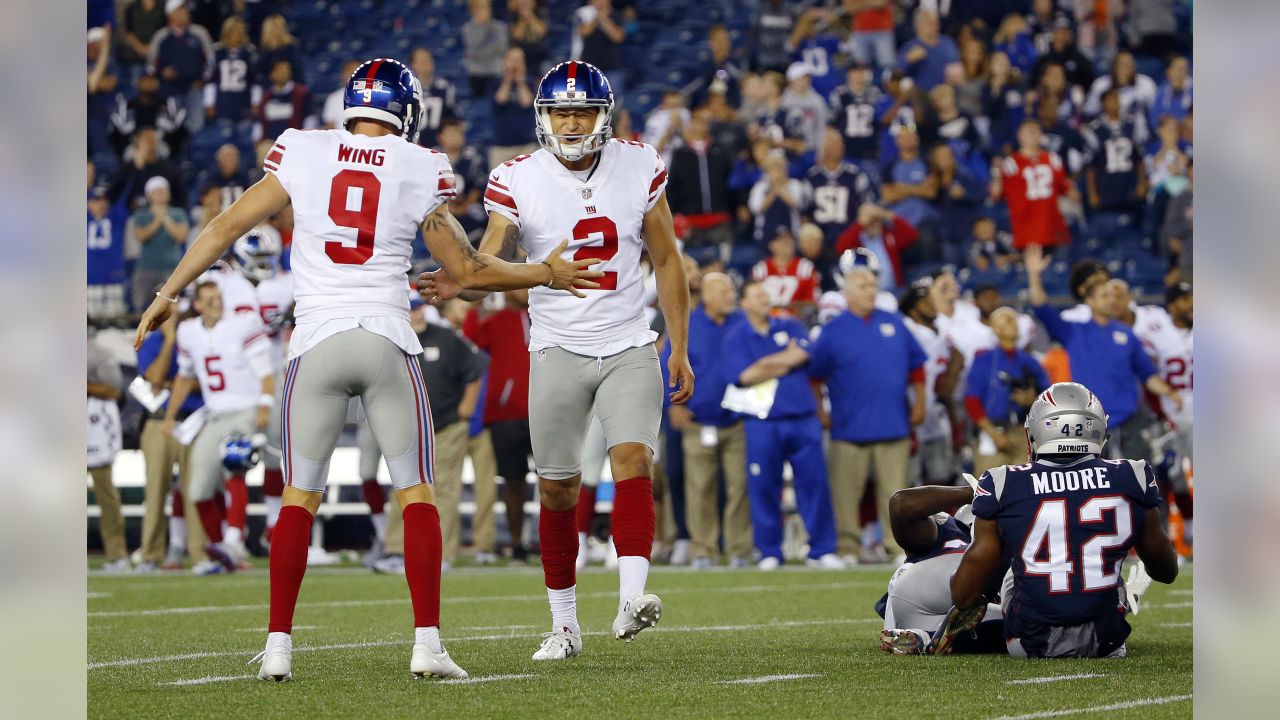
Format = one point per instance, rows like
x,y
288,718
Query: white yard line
x,y
1170,606
207,679
1175,625
98,595
771,678
131,662
482,679
1053,678
1180,592
1098,708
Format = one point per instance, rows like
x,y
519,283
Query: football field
x,y
795,643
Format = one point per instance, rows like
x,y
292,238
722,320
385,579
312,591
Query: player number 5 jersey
x,y
601,215
229,359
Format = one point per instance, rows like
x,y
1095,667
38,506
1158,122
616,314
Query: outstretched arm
x,y
501,239
673,295
980,561
911,511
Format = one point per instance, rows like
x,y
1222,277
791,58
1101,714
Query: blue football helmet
x,y
574,84
385,90
256,254
240,454
856,258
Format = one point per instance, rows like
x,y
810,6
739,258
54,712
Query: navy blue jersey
x,y
1067,530
1067,144
1115,153
960,133
438,104
953,537
854,115
229,86
835,197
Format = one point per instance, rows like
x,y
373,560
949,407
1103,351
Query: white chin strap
x,y
585,145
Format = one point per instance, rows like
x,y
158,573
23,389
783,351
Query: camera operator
x,y
1003,383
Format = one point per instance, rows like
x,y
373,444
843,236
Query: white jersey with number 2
x,y
601,213
1170,346
358,202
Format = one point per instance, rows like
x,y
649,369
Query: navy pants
x,y
797,441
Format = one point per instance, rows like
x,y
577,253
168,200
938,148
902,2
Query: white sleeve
x,y
186,363
658,184
443,190
498,195
257,346
755,201
284,159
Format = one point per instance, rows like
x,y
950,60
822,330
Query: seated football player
x,y
1068,520
932,524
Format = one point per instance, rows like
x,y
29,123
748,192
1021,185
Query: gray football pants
x,y
207,474
920,595
319,386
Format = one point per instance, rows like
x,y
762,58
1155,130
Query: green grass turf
x,y
717,626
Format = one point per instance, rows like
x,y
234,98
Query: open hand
x,y
571,275
437,286
1037,262
681,378
159,311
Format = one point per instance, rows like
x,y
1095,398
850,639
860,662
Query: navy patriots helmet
x,y
574,84
385,90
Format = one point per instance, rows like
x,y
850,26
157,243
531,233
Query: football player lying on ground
x,y
1068,519
932,525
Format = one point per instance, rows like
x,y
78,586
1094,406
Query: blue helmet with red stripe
x,y
387,91
574,84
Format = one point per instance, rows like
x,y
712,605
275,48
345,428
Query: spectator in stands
x,y
664,128
285,104
926,56
438,101
1040,22
622,127
500,327
1153,28
180,54
868,360
1002,103
769,34
776,200
990,249
906,189
957,195
806,109
603,31
853,112
512,112
944,123
790,280
884,233
1013,38
276,44
1116,177
211,14
815,43
331,113
227,176
974,65
470,175
141,163
1106,357
104,439
484,41
723,65
1174,98
1058,137
781,128
161,230
712,437
102,86
873,42
147,109
229,91
1167,163
1137,91
529,32
107,275
1003,383
836,188
698,184
142,20
1031,180
726,128
1064,52
1053,85
1176,232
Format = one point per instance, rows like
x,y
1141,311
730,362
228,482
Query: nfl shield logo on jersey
x,y
586,193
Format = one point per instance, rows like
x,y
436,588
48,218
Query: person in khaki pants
x,y
452,370
103,442
713,438
1003,384
868,359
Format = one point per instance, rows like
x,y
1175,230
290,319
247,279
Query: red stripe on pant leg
x,y
179,504
210,518
373,495
288,564
558,533
272,482
422,549
634,520
586,511
238,505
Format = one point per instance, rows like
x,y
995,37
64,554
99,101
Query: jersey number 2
x,y
608,231
364,220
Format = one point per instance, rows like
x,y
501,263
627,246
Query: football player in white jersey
x,y
254,282
360,194
933,463
228,356
609,197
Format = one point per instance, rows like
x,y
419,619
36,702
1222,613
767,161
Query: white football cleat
x,y
425,663
559,644
768,564
584,556
207,567
830,561
680,552
277,658
637,613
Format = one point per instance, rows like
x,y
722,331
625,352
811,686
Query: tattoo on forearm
x,y
443,221
510,243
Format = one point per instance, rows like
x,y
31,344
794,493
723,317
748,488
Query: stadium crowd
x,y
868,193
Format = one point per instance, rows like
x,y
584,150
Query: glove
x,y
1136,584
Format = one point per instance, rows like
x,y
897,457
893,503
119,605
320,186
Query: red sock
x,y
558,533
211,518
373,495
272,482
586,508
288,564
422,562
634,520
179,504
238,507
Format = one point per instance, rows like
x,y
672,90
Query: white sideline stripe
x,y
1098,708
1054,678
207,679
1175,624
482,679
473,599
1171,606
771,678
1179,592
97,595
131,662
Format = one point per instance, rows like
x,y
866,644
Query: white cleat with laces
x,y
277,658
426,663
559,644
637,613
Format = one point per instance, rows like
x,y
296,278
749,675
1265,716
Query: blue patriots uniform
x,y
229,83
1115,153
855,115
836,197
1067,530
438,104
